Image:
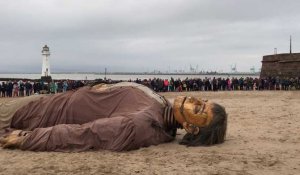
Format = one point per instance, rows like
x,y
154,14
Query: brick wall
x,y
281,65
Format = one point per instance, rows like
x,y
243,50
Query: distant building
x,y
286,65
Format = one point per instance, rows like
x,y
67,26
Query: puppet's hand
x,y
13,140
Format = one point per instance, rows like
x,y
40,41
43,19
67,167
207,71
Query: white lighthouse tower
x,y
46,65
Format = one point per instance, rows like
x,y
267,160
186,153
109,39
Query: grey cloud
x,y
132,35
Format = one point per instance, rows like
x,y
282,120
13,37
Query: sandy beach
x,y
262,138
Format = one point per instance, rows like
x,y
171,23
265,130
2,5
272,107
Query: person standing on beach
x,y
28,88
21,93
52,91
3,89
9,89
65,86
15,89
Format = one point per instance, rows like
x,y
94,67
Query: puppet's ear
x,y
202,99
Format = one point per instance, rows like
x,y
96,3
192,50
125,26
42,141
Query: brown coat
x,y
118,119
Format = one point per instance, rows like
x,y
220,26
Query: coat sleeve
x,y
115,134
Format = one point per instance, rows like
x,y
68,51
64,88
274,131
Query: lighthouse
x,y
46,65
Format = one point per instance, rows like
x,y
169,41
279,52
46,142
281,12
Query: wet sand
x,y
263,138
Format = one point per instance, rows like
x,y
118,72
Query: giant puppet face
x,y
201,119
192,113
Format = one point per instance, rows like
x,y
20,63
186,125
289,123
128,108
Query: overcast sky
x,y
145,35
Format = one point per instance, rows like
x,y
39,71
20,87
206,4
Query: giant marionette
x,y
120,117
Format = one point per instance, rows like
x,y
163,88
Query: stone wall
x,y
281,65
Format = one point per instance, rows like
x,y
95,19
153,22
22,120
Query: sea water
x,y
124,77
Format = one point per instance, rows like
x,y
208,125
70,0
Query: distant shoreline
x,y
118,76
146,73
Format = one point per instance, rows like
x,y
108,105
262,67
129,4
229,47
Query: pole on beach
x,y
290,44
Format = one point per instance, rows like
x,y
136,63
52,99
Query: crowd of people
x,y
221,84
25,88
